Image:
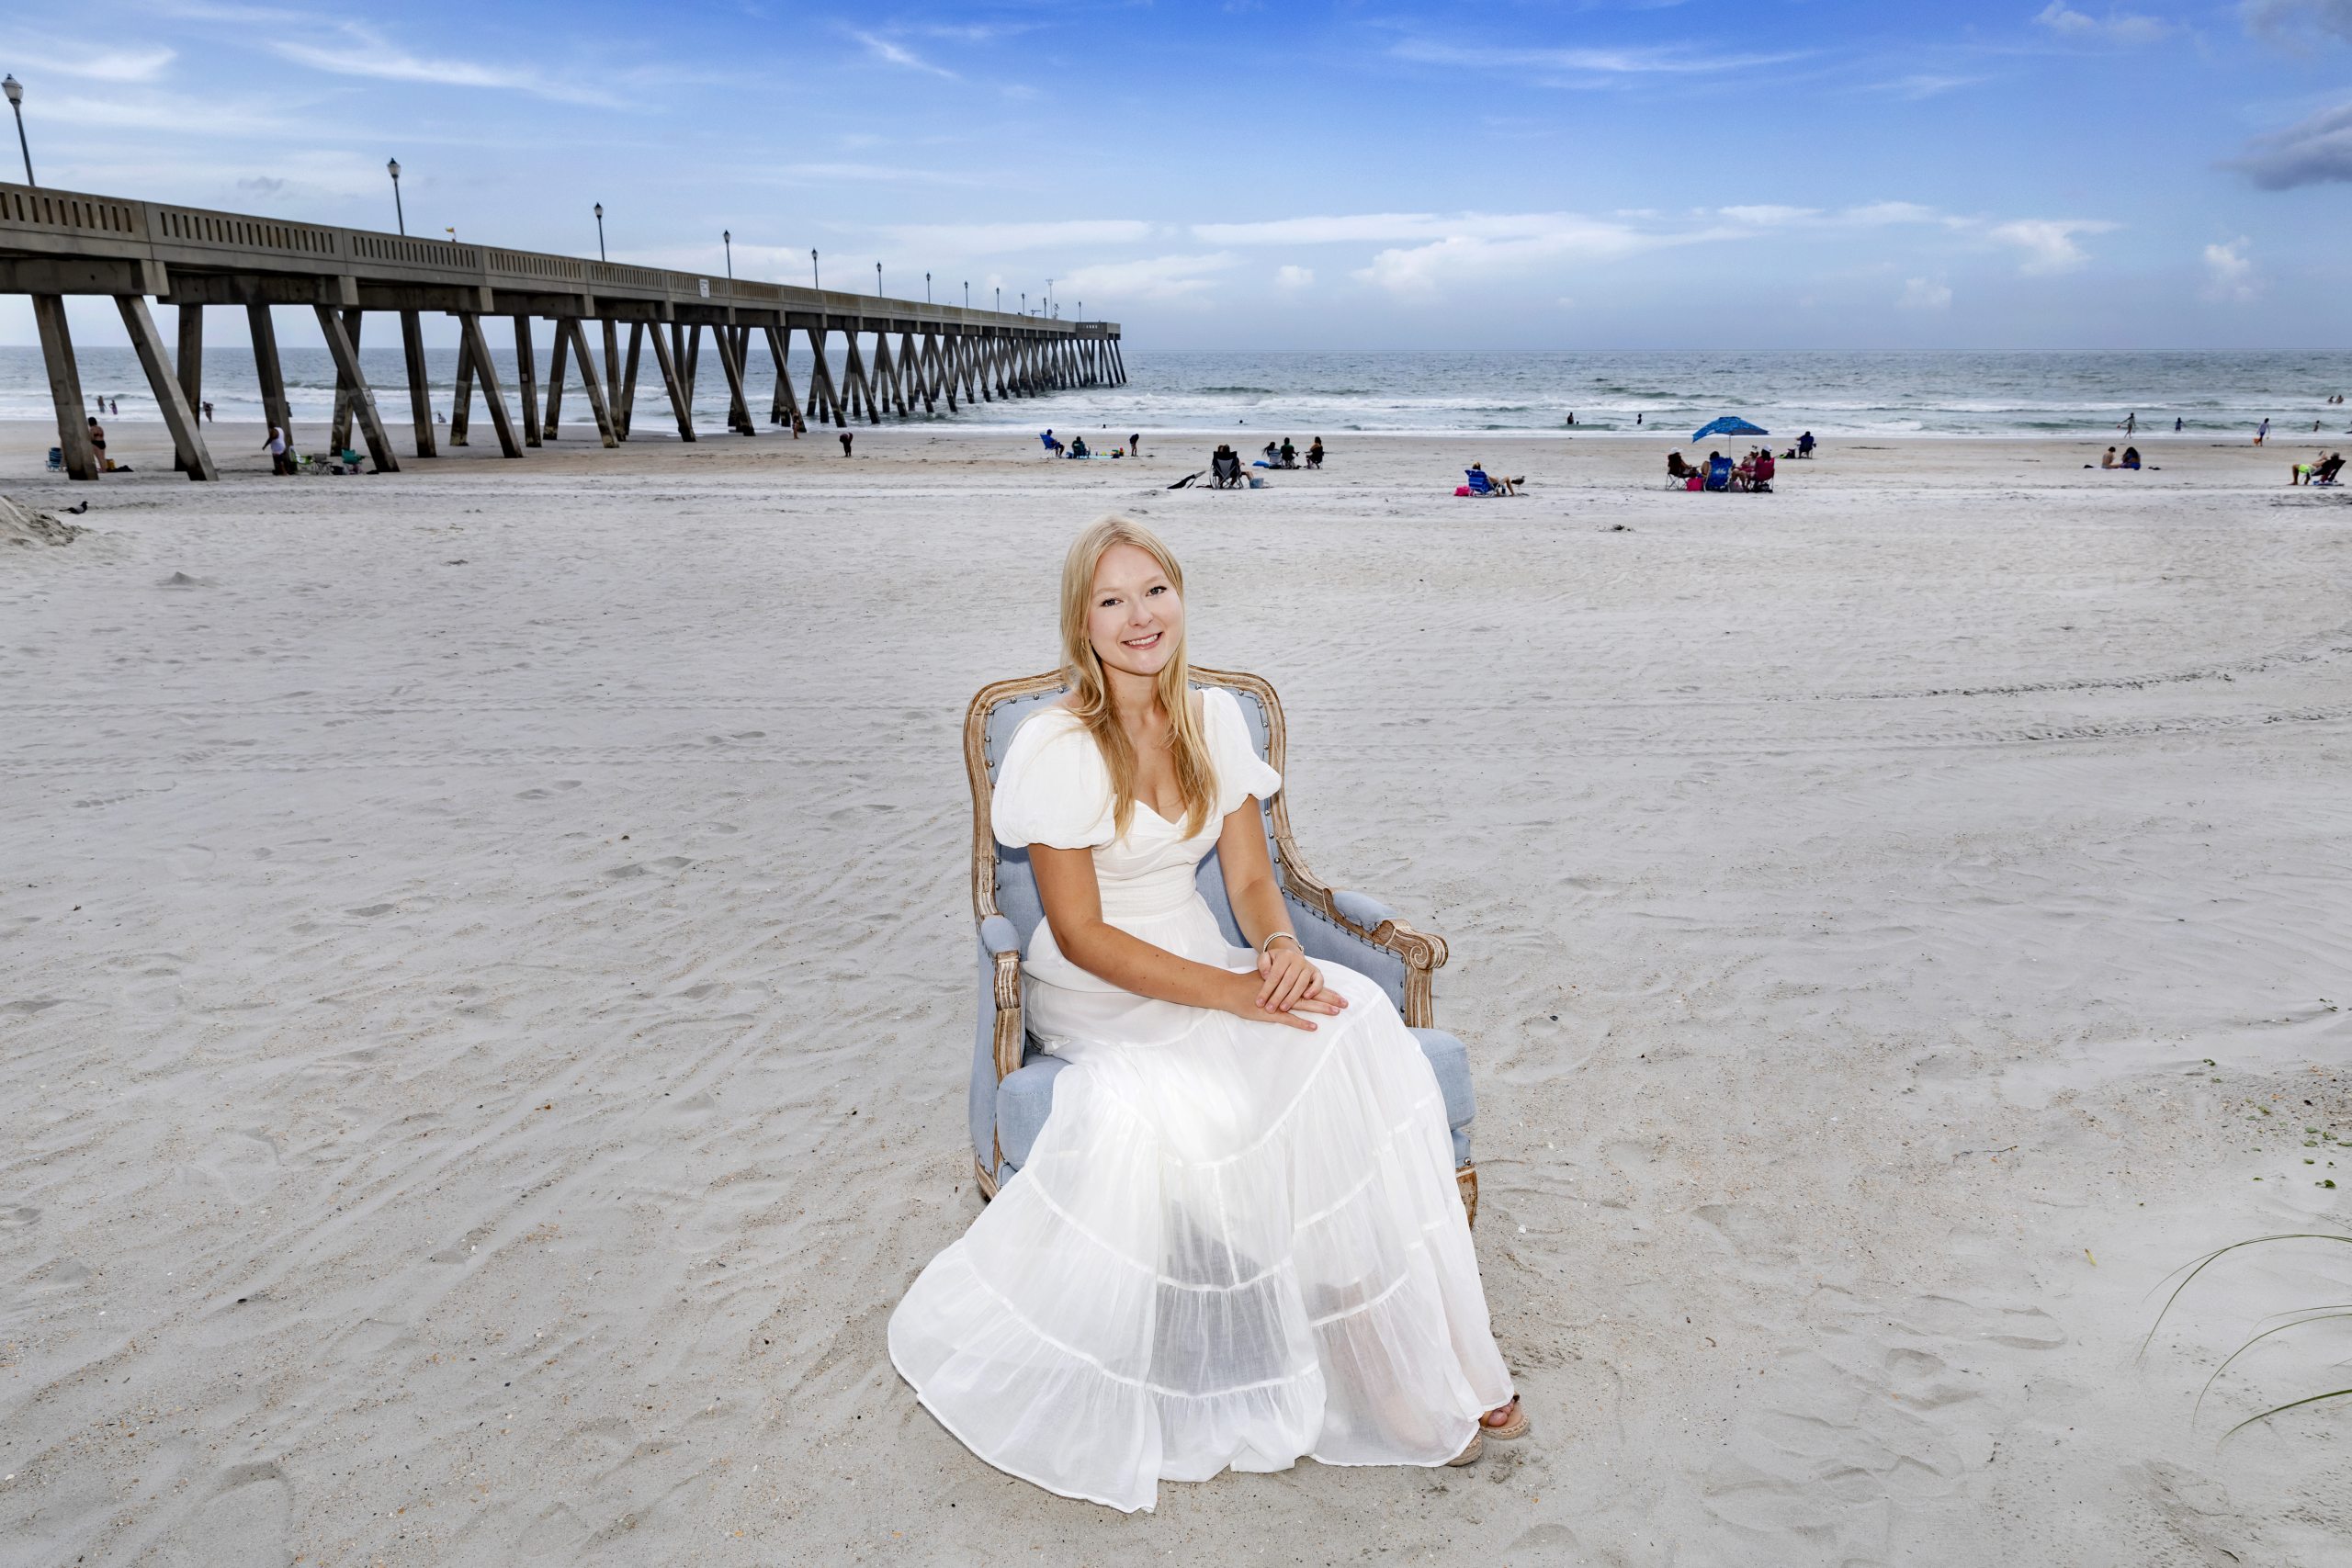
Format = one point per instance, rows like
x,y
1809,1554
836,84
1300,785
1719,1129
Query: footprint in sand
x,y
182,580
647,868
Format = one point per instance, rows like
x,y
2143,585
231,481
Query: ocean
x,y
1308,394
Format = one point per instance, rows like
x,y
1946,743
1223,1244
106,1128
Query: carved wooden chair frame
x,y
1423,952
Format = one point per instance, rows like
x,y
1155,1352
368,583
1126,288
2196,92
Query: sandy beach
x,y
485,990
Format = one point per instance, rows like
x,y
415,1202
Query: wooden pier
x,y
897,357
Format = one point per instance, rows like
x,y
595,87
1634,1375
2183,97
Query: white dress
x,y
1232,1243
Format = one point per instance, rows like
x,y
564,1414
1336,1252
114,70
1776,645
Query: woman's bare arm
x,y
1249,883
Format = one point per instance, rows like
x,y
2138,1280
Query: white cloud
x,y
2312,152
1368,227
1534,241
1589,62
1768,216
861,173
1155,277
1881,212
2047,243
1003,239
2228,272
1924,85
115,65
898,54
2116,26
1924,293
1293,277
367,53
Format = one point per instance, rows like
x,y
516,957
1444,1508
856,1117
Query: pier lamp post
x,y
400,214
1046,304
968,293
16,91
877,280
600,233
814,281
1000,299
727,238
1024,301
926,288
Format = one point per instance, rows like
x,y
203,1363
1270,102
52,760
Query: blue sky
x,y
1811,175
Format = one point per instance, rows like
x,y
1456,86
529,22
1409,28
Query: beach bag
x,y
1696,481
1461,490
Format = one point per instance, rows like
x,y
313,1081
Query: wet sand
x,y
485,990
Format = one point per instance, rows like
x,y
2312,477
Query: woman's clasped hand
x,y
1286,985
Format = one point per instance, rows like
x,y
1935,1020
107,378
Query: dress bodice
x,y
1054,789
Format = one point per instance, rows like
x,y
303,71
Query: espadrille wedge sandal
x,y
1517,1426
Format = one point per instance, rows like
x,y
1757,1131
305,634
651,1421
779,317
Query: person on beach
x,y
1289,453
98,442
1804,444
2263,433
1238,1241
1314,453
279,463
2130,425
2132,457
2175,424
847,437
1134,446
2106,458
208,413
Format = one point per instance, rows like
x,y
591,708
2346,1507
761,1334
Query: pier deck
x,y
897,357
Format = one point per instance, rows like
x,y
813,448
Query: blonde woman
x,y
1238,1239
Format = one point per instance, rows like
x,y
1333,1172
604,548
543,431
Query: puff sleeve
x,y
1241,771
1053,787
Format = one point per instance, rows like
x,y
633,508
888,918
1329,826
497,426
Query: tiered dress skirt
x,y
1234,1243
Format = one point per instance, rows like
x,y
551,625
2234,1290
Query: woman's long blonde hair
x,y
1089,696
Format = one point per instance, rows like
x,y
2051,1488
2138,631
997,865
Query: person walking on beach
x,y
207,414
1238,1242
2130,425
847,437
279,462
2262,434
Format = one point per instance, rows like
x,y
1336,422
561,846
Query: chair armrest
x,y
1363,908
998,935
1011,1037
1373,923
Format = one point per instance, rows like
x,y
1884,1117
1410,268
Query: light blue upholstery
x,y
1011,1113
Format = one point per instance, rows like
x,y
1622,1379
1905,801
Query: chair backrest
x,y
1003,882
1478,481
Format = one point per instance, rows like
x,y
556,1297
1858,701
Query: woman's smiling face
x,y
1135,617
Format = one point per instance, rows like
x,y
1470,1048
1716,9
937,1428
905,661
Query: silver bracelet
x,y
1273,937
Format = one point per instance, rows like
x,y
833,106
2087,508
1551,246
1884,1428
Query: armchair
x,y
1012,1089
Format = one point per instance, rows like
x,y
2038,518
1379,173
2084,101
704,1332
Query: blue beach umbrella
x,y
1728,426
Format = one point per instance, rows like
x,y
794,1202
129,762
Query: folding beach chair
x,y
1719,473
1013,1082
1480,483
